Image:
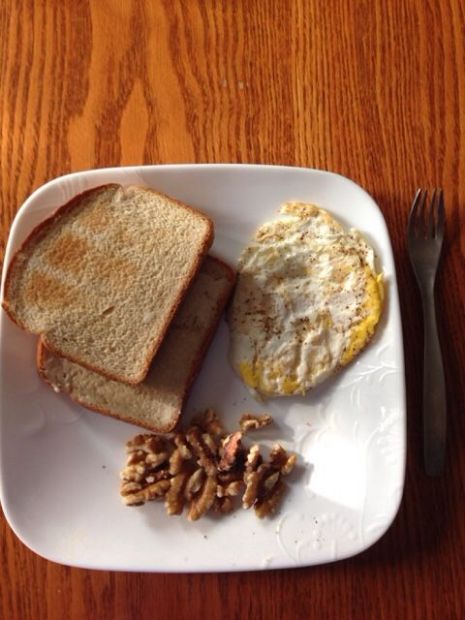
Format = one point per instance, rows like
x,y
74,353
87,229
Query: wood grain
x,y
371,89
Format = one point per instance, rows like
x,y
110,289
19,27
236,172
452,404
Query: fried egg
x,y
307,301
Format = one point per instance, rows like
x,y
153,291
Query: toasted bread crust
x,y
220,305
46,225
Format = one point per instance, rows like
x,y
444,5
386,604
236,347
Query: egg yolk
x,y
372,306
253,376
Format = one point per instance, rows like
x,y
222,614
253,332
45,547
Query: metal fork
x,y
424,241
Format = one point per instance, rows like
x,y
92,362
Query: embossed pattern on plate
x,y
60,463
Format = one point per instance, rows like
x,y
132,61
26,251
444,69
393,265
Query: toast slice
x,y
101,279
157,402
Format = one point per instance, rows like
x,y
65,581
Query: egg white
x,y
307,301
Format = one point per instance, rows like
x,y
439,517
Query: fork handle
x,y
434,390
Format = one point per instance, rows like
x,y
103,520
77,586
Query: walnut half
x,y
264,486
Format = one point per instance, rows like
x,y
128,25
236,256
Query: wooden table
x,y
372,89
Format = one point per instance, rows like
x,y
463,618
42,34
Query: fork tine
x,y
416,212
429,219
440,216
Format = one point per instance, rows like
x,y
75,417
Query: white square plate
x,y
60,463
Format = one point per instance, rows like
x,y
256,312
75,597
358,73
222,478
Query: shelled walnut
x,y
252,421
264,486
205,468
